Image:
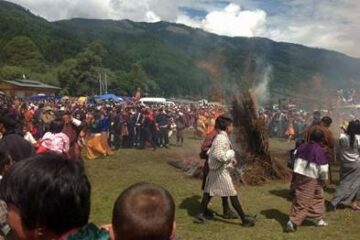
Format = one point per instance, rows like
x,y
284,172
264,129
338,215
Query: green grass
x,y
270,202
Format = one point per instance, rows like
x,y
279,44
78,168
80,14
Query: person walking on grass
x,y
206,145
310,173
348,192
219,181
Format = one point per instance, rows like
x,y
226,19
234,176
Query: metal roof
x,y
30,83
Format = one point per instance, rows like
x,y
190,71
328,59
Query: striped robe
x,y
219,181
310,171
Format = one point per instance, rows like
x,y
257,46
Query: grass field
x,y
270,202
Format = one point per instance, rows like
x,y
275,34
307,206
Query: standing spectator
x,y
105,129
38,130
180,127
162,121
148,129
137,123
47,116
124,127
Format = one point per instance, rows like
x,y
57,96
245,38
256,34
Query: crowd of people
x,y
69,126
45,191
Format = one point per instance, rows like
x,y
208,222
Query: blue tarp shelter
x,y
108,97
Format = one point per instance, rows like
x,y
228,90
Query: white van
x,y
152,101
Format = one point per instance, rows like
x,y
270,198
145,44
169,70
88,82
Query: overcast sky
x,y
331,24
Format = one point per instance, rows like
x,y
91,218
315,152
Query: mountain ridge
x,y
173,55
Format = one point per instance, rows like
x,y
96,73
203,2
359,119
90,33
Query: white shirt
x,y
348,154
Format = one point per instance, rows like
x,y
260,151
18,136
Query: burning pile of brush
x,y
251,135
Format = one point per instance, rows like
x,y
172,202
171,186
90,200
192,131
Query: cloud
x,y
230,21
322,23
140,10
331,24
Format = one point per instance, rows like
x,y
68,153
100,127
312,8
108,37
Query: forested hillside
x,y
162,58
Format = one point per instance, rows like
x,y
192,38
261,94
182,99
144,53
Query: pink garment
x,y
58,142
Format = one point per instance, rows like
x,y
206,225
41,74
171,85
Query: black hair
x,y
8,121
49,191
327,120
144,211
299,142
222,122
56,126
317,136
5,159
352,130
67,113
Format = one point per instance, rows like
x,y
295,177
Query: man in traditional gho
x,y
219,182
310,173
206,145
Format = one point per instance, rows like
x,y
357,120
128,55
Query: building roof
x,y
30,84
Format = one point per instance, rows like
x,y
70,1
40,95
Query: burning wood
x,y
251,134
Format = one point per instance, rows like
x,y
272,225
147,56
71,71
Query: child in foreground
x,y
144,211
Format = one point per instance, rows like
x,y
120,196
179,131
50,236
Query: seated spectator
x,y
144,211
55,140
48,197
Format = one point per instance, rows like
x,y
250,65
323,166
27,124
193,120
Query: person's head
x,y
223,123
5,162
299,142
317,115
317,136
326,121
56,126
144,211
46,196
67,117
352,130
7,123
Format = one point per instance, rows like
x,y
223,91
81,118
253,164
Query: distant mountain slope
x,y
181,60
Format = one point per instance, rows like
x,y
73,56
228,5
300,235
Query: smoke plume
x,y
262,90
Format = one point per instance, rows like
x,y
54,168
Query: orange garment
x,y
290,130
201,126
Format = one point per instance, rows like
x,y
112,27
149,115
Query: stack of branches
x,y
251,134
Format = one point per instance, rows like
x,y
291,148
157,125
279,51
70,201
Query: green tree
x,y
22,52
12,72
80,76
124,82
